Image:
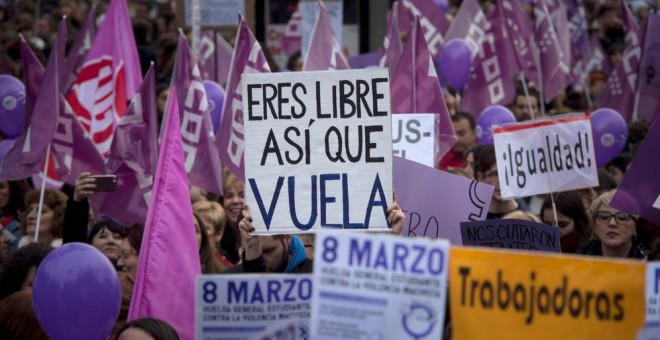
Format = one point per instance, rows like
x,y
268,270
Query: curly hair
x,y
55,200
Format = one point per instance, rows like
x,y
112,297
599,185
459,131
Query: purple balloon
x,y
492,115
455,62
216,97
5,145
12,106
610,135
444,4
76,293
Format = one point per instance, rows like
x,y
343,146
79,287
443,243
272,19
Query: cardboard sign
x,y
516,295
221,15
436,202
413,137
653,293
512,234
309,10
370,286
318,150
240,306
545,156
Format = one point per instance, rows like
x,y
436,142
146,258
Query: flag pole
x,y
196,18
414,74
587,95
554,209
635,116
41,194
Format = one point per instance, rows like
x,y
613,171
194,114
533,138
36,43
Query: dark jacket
x,y
259,266
594,248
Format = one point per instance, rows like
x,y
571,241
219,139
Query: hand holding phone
x,y
104,182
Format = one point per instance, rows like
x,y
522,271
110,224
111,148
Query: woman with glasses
x,y
129,253
615,231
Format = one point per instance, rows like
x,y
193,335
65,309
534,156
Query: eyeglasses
x,y
125,255
619,217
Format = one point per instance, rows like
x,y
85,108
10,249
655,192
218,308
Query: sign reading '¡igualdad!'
x,y
513,295
318,150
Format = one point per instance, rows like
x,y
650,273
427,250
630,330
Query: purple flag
x,y
71,148
392,43
630,24
324,52
559,17
109,77
648,83
519,30
202,161
25,157
639,192
133,158
597,59
415,89
214,57
438,213
223,53
365,60
433,20
33,74
619,92
470,25
580,46
493,70
247,58
169,245
292,36
78,52
555,73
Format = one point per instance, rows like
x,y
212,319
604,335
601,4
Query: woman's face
x,y
234,200
46,220
108,243
128,257
4,194
566,224
613,227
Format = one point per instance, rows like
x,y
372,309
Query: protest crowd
x,y
117,137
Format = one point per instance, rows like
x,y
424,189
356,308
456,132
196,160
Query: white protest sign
x,y
289,330
369,286
309,10
413,137
543,156
653,293
318,150
243,305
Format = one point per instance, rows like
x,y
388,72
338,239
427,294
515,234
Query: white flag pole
x,y
41,195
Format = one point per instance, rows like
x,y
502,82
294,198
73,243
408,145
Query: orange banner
x,y
516,295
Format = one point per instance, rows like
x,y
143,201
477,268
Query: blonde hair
x,y
215,213
231,181
522,215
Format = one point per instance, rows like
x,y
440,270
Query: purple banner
x,y
555,73
470,25
365,60
434,22
392,42
511,234
436,202
324,52
520,30
78,52
639,192
201,158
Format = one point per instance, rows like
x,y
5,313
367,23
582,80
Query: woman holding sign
x,y
615,231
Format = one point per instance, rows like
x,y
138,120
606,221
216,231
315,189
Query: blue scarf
x,y
296,254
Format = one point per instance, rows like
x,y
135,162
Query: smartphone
x,y
105,182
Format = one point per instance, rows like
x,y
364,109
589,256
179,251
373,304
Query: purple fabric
x,y
223,53
169,244
364,60
468,15
247,58
486,87
639,192
214,57
559,17
649,78
392,43
324,52
415,89
133,158
25,158
78,52
433,21
619,92
580,46
72,149
555,73
33,74
520,30
202,161
435,213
